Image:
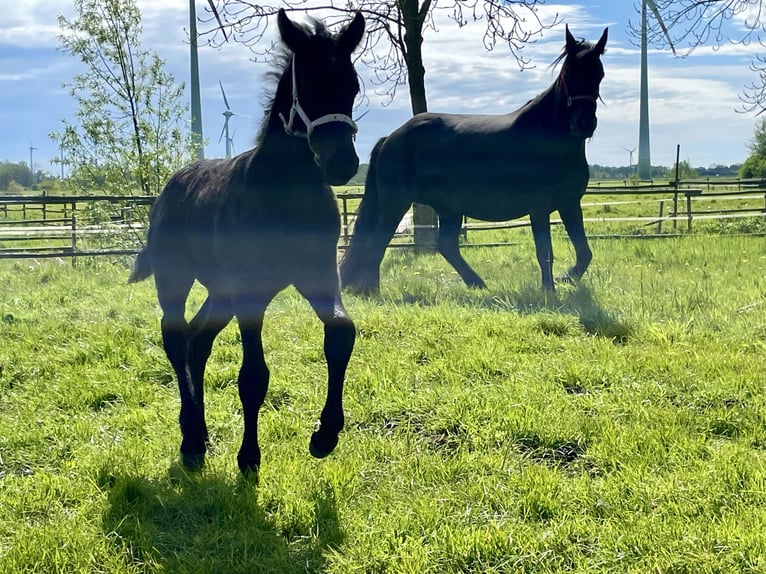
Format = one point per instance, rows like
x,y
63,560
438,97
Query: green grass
x,y
618,426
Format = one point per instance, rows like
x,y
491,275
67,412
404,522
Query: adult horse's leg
x,y
448,245
541,231
323,294
571,216
212,317
172,289
253,381
369,256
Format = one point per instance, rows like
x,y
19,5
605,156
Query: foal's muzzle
x,y
334,152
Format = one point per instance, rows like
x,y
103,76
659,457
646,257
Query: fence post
x,y
659,221
345,219
74,236
688,211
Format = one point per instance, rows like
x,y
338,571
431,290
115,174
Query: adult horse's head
x,y
578,83
324,86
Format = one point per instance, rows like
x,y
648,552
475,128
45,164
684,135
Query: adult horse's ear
x,y
571,42
601,44
293,35
352,34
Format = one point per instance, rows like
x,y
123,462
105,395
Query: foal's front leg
x,y
339,336
253,382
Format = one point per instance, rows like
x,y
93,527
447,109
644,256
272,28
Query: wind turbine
x,y
226,116
630,157
644,155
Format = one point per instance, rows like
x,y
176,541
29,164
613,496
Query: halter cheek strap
x,y
297,109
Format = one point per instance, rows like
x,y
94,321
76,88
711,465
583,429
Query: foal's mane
x,y
281,58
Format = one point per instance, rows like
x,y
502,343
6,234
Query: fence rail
x,y
89,225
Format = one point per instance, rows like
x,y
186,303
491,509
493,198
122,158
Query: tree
x,y
755,165
684,170
15,172
129,130
393,43
698,22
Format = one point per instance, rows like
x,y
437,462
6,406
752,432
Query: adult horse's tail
x,y
357,271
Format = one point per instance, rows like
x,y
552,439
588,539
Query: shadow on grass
x,y
570,299
204,524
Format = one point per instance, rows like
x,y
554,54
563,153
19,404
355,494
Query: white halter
x,y
310,125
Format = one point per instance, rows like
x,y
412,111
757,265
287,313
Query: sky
x,y
693,100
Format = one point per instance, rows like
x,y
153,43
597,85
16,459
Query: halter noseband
x,y
296,108
571,99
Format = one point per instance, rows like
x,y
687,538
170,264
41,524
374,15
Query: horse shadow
x,y
574,299
204,523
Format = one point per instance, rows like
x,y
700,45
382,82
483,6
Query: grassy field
x,y
619,426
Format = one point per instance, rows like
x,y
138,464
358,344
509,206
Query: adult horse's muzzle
x,y
582,118
334,152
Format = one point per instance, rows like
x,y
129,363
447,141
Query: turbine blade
x,y
657,17
225,101
223,130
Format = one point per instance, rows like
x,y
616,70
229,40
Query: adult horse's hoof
x,y
321,445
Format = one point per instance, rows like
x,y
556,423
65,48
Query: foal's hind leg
x,y
212,317
172,290
571,216
323,294
449,246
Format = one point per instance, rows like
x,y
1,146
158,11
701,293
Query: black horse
x,y
248,227
489,167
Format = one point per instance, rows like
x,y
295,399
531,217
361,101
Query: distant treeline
x,y
662,172
624,172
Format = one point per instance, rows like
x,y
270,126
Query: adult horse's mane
x,y
583,47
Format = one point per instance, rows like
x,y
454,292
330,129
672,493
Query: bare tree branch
x,y
395,30
694,23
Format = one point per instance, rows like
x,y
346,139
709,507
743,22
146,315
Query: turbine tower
x,y
196,104
644,153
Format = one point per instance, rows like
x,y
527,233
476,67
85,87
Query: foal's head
x,y
324,85
579,82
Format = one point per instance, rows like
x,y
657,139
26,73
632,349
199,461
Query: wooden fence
x,y
33,226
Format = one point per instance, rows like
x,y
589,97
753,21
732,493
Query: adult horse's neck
x,y
547,112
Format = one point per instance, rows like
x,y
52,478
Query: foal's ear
x,y
601,44
351,35
293,35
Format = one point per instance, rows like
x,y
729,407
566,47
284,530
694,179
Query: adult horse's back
x,y
248,227
489,167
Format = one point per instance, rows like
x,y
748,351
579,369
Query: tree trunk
x,y
424,218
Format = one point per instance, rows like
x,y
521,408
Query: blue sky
x,y
693,101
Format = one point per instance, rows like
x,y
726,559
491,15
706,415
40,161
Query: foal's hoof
x,y
249,470
321,445
193,462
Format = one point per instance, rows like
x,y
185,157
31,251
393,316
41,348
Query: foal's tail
x,y
352,272
142,268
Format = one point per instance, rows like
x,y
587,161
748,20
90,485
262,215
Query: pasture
x,y
618,426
